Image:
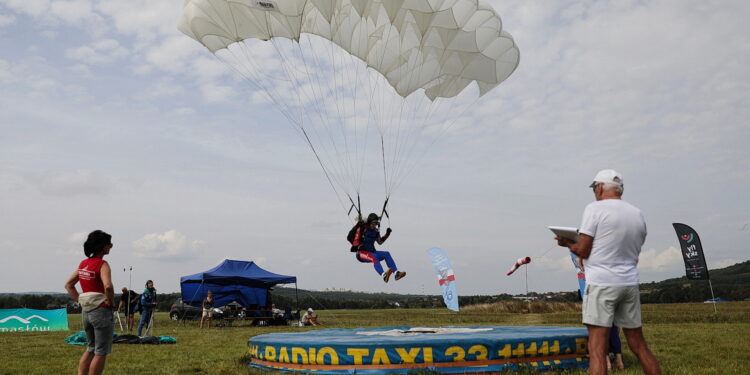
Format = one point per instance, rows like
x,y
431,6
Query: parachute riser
x,y
384,211
358,206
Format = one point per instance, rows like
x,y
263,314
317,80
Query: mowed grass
x,y
686,338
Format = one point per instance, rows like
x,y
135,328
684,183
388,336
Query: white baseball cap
x,y
608,176
310,309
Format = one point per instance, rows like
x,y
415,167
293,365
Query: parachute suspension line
x,y
298,83
399,126
358,69
274,96
404,147
324,169
363,74
385,173
344,72
327,122
382,107
296,90
257,81
324,120
348,66
404,169
407,138
439,135
342,166
254,80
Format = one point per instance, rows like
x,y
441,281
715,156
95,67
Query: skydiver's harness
x,y
356,235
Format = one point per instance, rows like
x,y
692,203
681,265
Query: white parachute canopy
x,y
346,71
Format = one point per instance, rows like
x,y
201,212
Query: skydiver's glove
x,y
388,232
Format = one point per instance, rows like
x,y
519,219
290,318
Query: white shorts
x,y
208,313
607,305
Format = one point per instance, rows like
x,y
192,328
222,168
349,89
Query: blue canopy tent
x,y
232,280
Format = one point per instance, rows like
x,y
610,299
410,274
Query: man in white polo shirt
x,y
610,238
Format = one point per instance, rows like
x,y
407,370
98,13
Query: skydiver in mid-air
x,y
363,237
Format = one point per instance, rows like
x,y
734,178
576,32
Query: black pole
x,y
296,295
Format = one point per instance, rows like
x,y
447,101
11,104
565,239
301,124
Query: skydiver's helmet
x,y
372,217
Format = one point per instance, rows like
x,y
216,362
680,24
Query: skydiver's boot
x,y
400,275
387,275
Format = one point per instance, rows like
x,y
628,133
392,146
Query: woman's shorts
x,y
208,313
99,325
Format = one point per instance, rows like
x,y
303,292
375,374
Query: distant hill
x,y
730,283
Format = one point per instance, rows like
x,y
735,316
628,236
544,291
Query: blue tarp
x,y
232,280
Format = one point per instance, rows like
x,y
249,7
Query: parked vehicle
x,y
182,311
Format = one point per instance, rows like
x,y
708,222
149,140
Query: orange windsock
x,y
519,263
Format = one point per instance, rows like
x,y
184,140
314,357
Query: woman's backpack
x,y
355,236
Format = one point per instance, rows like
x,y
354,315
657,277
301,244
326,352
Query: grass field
x,y
686,338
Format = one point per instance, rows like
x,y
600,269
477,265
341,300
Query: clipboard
x,y
565,232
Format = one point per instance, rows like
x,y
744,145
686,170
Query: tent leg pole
x,y
296,294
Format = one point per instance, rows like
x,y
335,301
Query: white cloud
x,y
208,68
163,88
661,261
7,20
216,93
173,54
723,263
68,183
73,12
183,111
77,13
170,245
144,19
74,245
100,52
34,8
78,237
6,75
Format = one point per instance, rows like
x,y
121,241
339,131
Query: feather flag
x,y
446,277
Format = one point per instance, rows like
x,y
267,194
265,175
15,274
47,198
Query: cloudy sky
x,y
112,119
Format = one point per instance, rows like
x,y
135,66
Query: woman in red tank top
x,y
97,301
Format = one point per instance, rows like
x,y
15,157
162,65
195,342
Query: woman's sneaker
x,y
400,275
387,275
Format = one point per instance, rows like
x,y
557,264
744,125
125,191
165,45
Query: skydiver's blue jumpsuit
x,y
370,255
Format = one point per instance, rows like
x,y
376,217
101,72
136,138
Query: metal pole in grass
x,y
528,299
713,299
127,306
119,320
151,322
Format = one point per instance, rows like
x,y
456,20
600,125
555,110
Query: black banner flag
x,y
692,252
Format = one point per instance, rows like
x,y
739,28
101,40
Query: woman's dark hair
x,y
372,217
96,242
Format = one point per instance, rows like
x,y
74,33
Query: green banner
x,y
29,320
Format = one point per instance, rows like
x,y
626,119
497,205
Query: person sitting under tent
x,y
309,319
364,244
